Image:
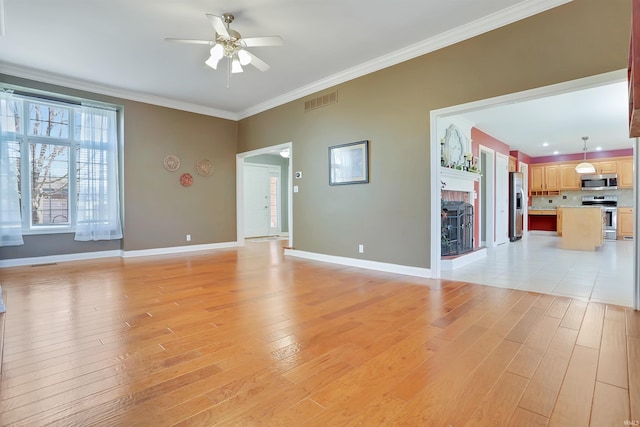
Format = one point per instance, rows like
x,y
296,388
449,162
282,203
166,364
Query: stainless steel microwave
x,y
599,182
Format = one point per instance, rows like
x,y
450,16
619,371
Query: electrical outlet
x,y
188,237
361,248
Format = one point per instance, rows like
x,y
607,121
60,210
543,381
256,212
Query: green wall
x,y
158,211
390,108
391,215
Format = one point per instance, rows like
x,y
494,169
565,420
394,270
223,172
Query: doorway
x,y
264,193
437,115
262,200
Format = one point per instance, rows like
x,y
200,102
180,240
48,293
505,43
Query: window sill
x,y
48,230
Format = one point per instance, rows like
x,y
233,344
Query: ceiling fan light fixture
x,y
217,52
212,62
585,167
244,57
236,67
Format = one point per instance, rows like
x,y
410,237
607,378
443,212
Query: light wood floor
x,y
245,337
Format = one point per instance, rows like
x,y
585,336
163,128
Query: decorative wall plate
x,y
171,163
204,167
186,180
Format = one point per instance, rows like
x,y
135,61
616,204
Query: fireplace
x,y
457,228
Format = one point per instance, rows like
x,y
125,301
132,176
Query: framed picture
x,y
349,163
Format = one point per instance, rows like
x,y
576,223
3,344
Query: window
x,y
64,158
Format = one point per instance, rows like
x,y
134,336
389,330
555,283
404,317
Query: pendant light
x,y
585,167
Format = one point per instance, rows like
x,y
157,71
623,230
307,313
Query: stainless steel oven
x,y
609,206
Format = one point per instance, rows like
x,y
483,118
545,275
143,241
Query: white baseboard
x,y
361,263
51,259
178,249
461,261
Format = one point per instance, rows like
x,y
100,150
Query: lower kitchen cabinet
x,y
625,223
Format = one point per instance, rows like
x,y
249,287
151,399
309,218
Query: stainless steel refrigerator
x,y
516,205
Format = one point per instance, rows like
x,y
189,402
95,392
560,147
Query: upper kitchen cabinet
x,y
551,178
513,164
544,179
606,166
625,173
569,178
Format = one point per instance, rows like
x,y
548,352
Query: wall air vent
x,y
321,101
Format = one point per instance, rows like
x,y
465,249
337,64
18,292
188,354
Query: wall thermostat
x,y
299,174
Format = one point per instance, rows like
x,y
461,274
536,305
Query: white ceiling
x,y
117,47
560,121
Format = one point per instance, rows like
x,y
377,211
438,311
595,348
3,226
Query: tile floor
x,y
536,263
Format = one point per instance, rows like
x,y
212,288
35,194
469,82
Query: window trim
x,y
73,104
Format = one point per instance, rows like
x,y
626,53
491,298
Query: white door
x,y
502,198
256,200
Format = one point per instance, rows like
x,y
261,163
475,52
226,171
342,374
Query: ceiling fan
x,y
230,44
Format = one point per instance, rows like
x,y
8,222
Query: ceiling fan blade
x,y
262,41
258,63
191,41
218,25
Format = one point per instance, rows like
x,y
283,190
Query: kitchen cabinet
x,y
551,178
559,221
512,164
569,178
536,174
545,179
625,223
552,175
606,166
625,173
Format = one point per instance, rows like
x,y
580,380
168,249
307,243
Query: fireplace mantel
x,y
458,180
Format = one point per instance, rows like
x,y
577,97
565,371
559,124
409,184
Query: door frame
x,y
488,175
502,239
436,115
524,168
240,162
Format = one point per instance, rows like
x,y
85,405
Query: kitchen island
x,y
582,228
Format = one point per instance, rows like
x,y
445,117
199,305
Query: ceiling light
x,y
556,152
244,57
598,148
585,167
545,144
217,52
285,153
235,66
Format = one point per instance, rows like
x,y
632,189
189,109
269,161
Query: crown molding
x,y
499,19
56,79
